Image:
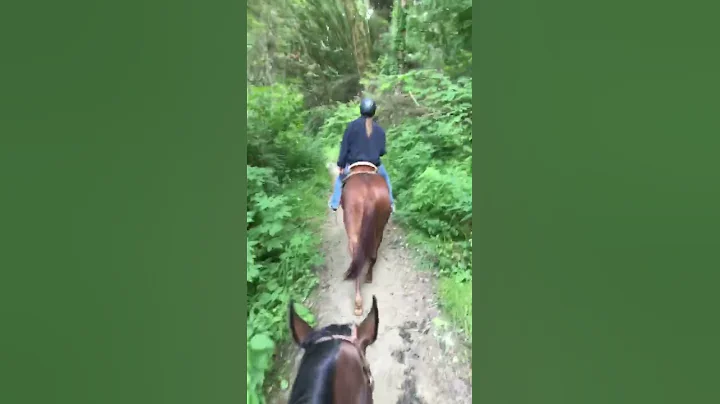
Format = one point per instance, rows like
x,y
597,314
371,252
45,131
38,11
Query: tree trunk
x,y
400,40
360,35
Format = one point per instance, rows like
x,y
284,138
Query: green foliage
x,y
439,35
311,43
454,297
430,159
325,35
334,125
275,131
283,201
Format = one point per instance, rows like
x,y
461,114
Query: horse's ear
x,y
299,329
367,330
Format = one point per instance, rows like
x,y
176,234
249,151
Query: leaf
x,y
253,272
274,229
305,314
261,342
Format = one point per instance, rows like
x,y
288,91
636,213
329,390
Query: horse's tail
x,y
367,240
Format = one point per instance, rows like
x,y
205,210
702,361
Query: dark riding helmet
x,y
367,107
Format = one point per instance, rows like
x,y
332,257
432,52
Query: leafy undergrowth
x,y
428,120
455,297
284,211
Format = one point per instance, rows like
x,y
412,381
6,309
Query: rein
x,y
352,339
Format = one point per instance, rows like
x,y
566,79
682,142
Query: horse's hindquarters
x,y
366,210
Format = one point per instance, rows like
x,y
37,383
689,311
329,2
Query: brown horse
x,y
366,209
333,369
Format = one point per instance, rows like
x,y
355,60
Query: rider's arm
x,y
342,158
382,143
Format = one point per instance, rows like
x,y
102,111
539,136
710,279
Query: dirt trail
x,y
416,358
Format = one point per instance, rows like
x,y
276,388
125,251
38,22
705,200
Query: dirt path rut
x,y
417,358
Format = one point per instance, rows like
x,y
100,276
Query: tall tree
x,y
399,23
360,34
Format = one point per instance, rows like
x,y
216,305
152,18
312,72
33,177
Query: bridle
x,y
352,339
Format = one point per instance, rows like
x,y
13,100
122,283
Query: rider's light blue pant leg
x,y
337,192
384,174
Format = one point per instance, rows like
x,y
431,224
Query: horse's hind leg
x,y
373,258
368,277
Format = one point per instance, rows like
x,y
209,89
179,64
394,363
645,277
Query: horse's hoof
x,y
358,312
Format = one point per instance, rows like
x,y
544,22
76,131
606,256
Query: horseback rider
x,y
364,140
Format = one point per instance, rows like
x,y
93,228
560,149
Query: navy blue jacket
x,y
357,146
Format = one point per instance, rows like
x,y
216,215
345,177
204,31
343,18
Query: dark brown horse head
x,y
333,369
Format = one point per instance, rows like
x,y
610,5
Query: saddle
x,y
361,167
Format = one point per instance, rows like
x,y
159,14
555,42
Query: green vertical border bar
x,y
243,201
477,187
123,202
596,150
